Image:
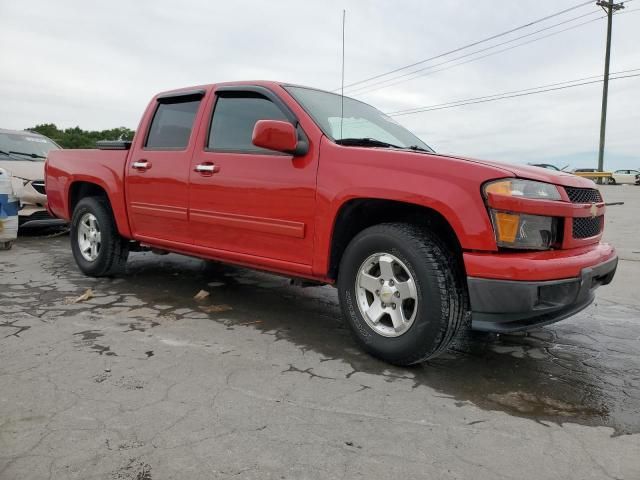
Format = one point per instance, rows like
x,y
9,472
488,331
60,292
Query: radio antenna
x,y
344,14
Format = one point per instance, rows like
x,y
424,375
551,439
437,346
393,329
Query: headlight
x,y
520,230
516,187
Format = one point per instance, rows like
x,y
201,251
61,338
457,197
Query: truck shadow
x,y
584,370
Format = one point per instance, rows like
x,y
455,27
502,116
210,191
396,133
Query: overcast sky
x,y
96,64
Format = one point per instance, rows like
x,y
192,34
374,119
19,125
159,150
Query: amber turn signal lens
x,y
523,231
502,187
507,226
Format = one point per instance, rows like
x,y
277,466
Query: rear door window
x,y
172,124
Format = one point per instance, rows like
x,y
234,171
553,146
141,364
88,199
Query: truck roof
x,y
262,83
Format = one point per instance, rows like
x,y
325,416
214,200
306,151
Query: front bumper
x,y
504,306
35,215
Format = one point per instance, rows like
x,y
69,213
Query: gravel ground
x,y
261,379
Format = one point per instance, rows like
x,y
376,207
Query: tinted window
x,y
234,118
172,124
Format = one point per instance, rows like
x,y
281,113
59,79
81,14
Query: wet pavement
x,y
261,379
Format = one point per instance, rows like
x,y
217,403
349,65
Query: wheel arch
x,y
80,189
357,214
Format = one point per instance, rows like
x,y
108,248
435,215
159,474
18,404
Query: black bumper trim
x,y
503,306
40,217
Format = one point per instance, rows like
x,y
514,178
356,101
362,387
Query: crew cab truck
x,y
304,183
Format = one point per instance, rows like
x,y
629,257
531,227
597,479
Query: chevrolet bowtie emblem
x,y
593,210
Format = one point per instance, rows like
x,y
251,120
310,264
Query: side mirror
x,y
276,135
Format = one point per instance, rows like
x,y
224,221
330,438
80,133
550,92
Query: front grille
x,y
583,195
585,227
38,186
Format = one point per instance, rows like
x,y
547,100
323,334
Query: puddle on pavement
x,y
577,371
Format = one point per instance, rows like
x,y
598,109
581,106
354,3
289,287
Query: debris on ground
x,y
201,295
215,308
251,323
88,294
216,284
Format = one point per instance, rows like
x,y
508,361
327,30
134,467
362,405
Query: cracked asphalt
x,y
262,380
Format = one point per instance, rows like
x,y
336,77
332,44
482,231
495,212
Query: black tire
x,y
114,250
612,181
442,308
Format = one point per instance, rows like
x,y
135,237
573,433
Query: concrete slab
x,y
141,383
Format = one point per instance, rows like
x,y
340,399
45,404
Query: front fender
x,y
449,186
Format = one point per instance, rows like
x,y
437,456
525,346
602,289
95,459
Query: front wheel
x,y
402,293
97,247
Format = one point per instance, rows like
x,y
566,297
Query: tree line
x,y
78,138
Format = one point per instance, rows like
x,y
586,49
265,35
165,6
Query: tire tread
x,y
114,247
449,276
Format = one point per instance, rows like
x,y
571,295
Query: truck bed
x,y
104,168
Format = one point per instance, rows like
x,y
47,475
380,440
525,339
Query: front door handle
x,y
141,165
207,168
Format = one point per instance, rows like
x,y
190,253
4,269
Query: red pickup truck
x,y
301,182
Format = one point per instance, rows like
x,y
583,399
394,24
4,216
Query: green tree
x,y
78,138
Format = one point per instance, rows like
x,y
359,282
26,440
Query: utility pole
x,y
608,7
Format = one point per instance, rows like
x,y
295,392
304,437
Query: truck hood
x,y
24,169
530,172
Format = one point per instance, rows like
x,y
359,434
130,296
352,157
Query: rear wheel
x,y
402,293
611,181
97,247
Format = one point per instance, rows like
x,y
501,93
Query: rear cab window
x,y
172,122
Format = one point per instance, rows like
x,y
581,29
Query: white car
x,y
22,155
626,176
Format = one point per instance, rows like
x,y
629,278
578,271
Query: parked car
x,y
271,176
593,174
22,154
626,176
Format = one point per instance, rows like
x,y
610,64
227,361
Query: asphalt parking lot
x,y
261,379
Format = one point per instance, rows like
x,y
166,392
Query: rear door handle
x,y
141,165
207,168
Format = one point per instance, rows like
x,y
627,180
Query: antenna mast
x,y
344,14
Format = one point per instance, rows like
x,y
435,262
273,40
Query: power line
x,y
366,87
455,104
504,96
410,110
478,42
366,90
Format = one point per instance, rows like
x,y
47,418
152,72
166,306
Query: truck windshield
x,y
24,146
363,125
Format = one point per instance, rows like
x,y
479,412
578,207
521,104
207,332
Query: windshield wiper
x,y
32,155
372,142
365,142
419,149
